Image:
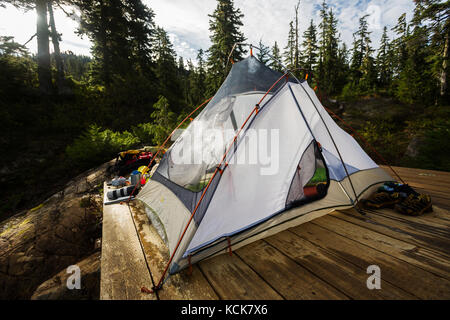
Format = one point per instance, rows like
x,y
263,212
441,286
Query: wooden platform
x,y
326,258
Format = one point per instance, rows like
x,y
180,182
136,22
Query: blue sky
x,y
187,21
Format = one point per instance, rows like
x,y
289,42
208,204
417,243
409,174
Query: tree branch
x,y
34,35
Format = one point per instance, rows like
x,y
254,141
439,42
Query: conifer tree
x,y
166,69
361,47
122,33
224,25
310,48
197,78
328,76
383,63
276,58
289,50
415,82
296,41
362,65
263,53
323,26
343,68
435,17
399,44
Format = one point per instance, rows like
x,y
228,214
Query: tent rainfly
x,y
211,192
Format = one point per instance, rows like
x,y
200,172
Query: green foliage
x,y
263,53
96,145
224,26
163,119
433,154
276,58
310,52
384,60
17,76
329,68
76,66
432,127
383,136
289,50
9,47
166,70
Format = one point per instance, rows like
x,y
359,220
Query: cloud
x,y
269,19
22,25
187,22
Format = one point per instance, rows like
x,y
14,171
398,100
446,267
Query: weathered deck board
x,y
347,277
179,286
233,279
288,278
326,258
413,172
434,222
415,255
397,230
123,267
410,278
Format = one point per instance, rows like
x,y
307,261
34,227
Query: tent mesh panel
x,y
191,160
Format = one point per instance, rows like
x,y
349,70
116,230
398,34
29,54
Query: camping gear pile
x,y
135,164
130,160
401,197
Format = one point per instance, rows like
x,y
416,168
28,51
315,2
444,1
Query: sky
x,y
187,22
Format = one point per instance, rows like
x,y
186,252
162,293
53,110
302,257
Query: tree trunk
x,y
106,76
443,77
296,62
43,54
58,59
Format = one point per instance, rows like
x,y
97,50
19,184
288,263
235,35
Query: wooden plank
x,y
397,230
287,277
123,267
441,175
179,286
421,170
412,279
233,279
434,179
347,277
435,222
429,182
423,258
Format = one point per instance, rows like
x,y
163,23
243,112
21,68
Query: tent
x,y
210,194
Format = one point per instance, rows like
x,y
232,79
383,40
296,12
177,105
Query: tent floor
x,y
326,258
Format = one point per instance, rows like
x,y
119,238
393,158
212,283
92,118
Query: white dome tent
x,y
220,200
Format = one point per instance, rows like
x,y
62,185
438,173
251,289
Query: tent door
x,y
311,178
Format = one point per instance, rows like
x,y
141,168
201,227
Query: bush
x,y
97,145
385,138
434,127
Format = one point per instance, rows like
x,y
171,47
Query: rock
x,y
414,145
38,243
56,288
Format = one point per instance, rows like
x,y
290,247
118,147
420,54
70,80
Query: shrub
x,y
97,145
